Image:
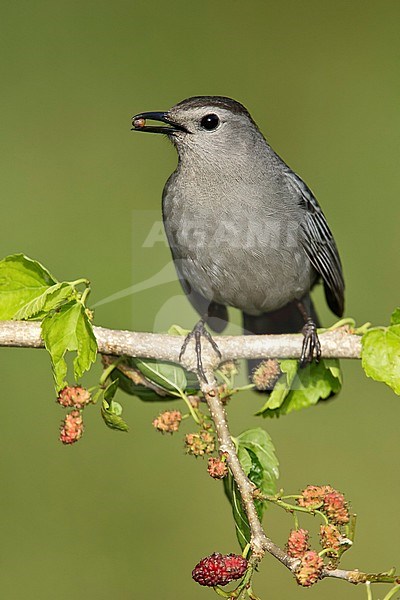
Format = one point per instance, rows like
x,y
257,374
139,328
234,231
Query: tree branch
x,y
259,542
338,343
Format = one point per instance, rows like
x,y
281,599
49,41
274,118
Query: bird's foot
x,y
197,333
311,346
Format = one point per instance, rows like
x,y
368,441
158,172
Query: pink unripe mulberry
x,y
330,538
266,374
217,468
71,428
298,543
310,569
335,508
199,444
75,396
313,496
168,421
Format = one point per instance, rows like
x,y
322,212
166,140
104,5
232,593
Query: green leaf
x,y
313,383
126,384
239,515
178,330
257,457
111,390
259,443
51,299
140,391
146,394
282,387
304,387
111,415
395,318
87,345
192,383
167,375
21,280
69,329
116,408
244,457
380,355
266,485
254,471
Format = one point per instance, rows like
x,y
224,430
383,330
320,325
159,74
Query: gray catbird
x,y
244,229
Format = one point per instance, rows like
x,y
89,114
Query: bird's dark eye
x,y
209,122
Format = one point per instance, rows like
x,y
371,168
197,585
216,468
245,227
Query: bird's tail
x,y
285,320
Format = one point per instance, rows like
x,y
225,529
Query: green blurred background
x,y
128,515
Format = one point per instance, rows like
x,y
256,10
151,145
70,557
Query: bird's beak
x,y
139,123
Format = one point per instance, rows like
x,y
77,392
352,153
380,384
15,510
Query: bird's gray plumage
x,y
244,229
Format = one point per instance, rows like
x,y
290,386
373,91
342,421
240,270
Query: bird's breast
x,y
242,250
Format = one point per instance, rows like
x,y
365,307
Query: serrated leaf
x,y
254,471
282,387
167,375
263,482
87,345
244,458
127,383
51,298
395,318
257,457
111,390
140,391
259,442
334,367
69,329
239,515
311,384
21,280
110,416
380,356
314,383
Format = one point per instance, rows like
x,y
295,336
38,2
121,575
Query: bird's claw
x,y
197,333
311,345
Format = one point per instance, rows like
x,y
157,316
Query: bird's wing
x,y
320,246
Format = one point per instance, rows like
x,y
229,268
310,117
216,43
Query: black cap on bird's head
x,y
208,111
210,127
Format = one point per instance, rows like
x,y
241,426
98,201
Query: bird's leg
x,y
311,345
197,333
